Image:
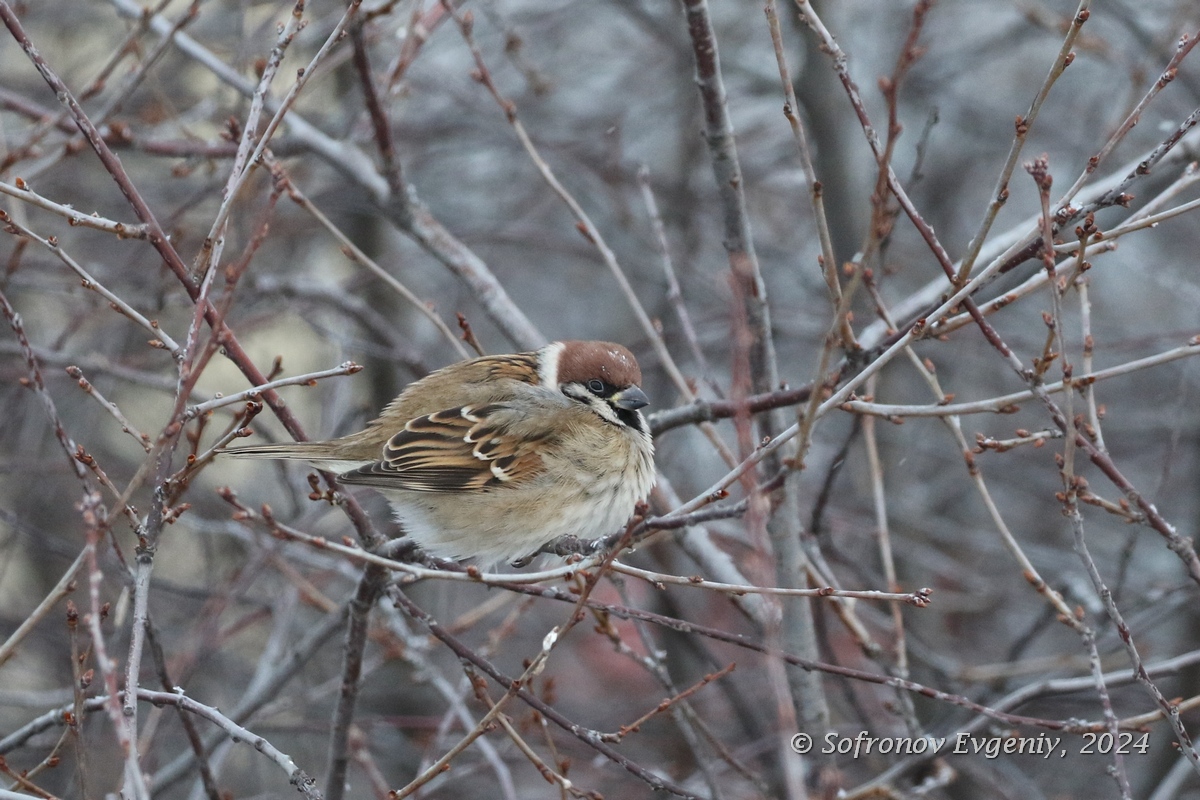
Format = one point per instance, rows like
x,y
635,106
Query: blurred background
x,y
459,213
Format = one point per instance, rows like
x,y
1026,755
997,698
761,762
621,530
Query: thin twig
x,y
588,737
296,776
919,598
65,586
356,253
160,339
1007,404
1023,124
123,230
109,406
584,222
307,379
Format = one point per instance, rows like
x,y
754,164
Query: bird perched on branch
x,y
494,457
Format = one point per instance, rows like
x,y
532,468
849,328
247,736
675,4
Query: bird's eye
x,y
595,386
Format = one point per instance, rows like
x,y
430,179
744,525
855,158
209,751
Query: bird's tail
x,y
299,451
321,455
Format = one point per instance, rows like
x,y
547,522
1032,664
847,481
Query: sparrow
x,y
495,457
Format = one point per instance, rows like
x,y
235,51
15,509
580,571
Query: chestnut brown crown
x,y
580,362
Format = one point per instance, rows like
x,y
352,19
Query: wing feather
x,y
470,448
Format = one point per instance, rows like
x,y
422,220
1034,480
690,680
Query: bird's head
x,y
601,375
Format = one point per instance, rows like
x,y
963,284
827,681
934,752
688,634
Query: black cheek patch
x,y
631,418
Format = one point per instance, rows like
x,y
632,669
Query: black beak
x,y
630,399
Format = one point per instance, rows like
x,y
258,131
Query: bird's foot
x,y
562,546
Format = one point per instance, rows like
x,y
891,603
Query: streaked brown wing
x,y
456,450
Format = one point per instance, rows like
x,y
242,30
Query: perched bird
x,y
494,457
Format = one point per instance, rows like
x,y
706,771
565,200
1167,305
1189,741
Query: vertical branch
x,y
380,124
94,519
883,212
165,490
78,690
1089,345
370,587
739,245
879,500
816,191
796,625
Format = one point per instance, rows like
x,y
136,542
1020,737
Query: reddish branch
x,y
1180,545
740,640
589,737
158,238
380,123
